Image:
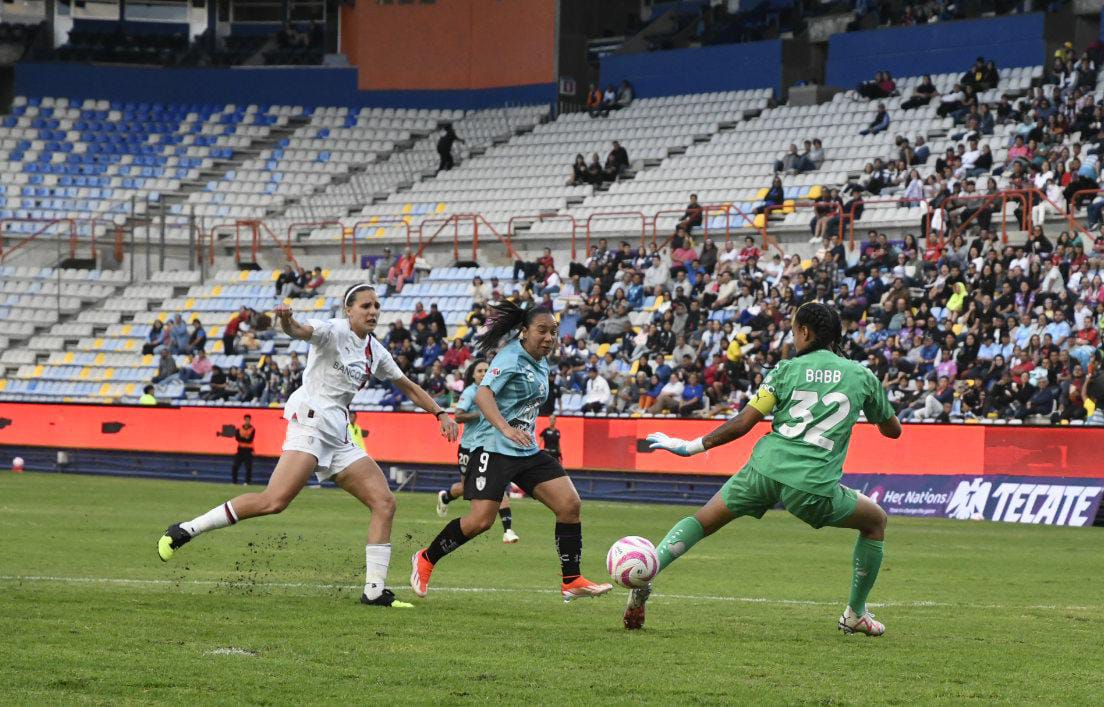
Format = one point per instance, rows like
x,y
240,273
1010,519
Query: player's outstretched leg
x,y
710,518
290,476
560,496
447,496
870,520
479,519
364,480
506,515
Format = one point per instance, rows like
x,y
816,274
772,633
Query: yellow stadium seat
x,y
216,290
275,276
441,207
147,360
319,302
68,357
127,328
163,317
380,232
243,276
326,273
85,372
407,220
128,345
105,389
129,389
788,206
38,371
762,193
98,361
97,344
374,219
109,374
760,220
635,367
217,346
189,303
806,263
212,332
3,383
603,349
461,331
407,208
816,191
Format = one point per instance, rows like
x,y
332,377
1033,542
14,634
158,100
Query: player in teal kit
x,y
815,398
469,415
505,449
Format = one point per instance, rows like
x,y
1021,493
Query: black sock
x,y
569,545
446,496
450,538
507,518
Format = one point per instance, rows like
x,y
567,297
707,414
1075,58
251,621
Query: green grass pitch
x,y
266,612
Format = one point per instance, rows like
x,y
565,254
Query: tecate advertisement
x,y
1011,499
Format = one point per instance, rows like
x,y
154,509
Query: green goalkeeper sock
x,y
864,572
686,533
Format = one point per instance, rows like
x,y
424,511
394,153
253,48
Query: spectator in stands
x,y
879,124
617,161
789,164
298,283
597,392
147,396
218,387
813,157
444,147
921,95
920,151
286,277
775,196
403,271
317,279
478,291
157,338
198,339
166,367
457,356
594,101
692,216
609,99
692,398
382,266
529,269
230,333
883,86
198,370
595,174
579,174
625,95
614,327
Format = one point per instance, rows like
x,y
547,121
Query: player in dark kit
x,y
550,438
244,456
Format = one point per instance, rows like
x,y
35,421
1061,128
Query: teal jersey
x,y
470,439
816,399
520,385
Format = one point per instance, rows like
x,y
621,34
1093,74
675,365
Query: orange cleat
x,y
419,575
583,587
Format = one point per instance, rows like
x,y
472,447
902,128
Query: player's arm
x,y
890,428
466,416
292,328
757,408
422,399
484,399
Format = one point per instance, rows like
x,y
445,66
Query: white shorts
x,y
332,458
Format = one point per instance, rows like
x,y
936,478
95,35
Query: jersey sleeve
x,y
876,407
467,399
385,368
323,332
770,390
499,372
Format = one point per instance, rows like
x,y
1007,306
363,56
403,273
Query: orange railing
x,y
615,214
46,225
511,226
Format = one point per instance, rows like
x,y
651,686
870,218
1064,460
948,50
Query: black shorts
x,y
463,459
490,474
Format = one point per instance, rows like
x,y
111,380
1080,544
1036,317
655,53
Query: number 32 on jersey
x,y
801,410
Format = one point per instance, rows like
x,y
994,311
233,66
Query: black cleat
x,y
386,598
174,538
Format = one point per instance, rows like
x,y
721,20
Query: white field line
x,y
772,601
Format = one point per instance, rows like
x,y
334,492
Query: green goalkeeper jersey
x,y
815,399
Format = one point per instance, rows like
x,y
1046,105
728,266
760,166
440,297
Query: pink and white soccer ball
x,y
632,562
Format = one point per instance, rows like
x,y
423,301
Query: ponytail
x,y
505,316
824,322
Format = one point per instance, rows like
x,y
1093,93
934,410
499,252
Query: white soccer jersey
x,y
339,364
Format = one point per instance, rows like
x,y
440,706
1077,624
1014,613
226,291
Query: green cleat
x,y
387,598
175,537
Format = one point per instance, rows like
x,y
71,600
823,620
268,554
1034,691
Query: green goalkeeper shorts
x,y
749,493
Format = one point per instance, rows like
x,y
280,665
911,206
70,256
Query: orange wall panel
x,y
451,44
594,444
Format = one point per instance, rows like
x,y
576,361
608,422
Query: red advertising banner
x,y
594,444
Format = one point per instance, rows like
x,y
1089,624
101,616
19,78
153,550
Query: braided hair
x,y
504,317
824,322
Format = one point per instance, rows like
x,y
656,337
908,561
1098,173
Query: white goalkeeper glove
x,y
681,447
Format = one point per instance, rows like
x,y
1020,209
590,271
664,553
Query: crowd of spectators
x,y
599,103
596,172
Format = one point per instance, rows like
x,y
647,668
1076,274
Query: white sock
x,y
376,560
217,517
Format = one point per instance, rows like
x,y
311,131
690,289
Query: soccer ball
x,y
632,562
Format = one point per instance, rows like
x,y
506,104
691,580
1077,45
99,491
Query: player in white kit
x,y
344,356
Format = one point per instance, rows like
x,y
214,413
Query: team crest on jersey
x,y
480,483
496,371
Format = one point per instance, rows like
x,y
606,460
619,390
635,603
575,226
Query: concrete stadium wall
x,y
306,86
729,67
1012,41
